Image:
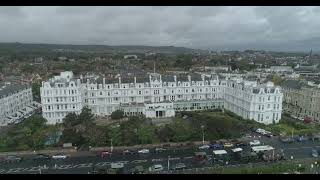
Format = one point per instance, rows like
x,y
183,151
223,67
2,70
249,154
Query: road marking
x,y
189,157
172,159
15,170
124,162
156,160
2,171
103,164
83,165
68,166
33,168
303,147
139,161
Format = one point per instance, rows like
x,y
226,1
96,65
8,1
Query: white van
x,y
156,168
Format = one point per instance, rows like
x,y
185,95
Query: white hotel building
x,y
15,103
155,96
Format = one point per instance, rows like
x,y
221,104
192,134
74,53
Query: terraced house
x,y
302,100
153,95
14,103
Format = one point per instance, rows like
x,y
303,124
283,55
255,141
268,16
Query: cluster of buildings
x,y
16,103
301,100
158,96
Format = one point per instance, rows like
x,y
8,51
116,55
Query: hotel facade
x,y
158,96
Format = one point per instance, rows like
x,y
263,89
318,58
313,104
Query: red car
x,y
105,154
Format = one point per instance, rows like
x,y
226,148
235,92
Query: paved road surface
x,y
86,161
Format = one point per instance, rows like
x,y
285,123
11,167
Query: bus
x,y
261,149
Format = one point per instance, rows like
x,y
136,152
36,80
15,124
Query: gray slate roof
x,y
11,89
292,84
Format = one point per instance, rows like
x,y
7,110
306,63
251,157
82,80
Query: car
x,y
179,166
156,168
105,154
144,151
160,149
314,153
255,143
59,156
12,158
41,157
204,147
216,146
301,139
227,145
241,144
137,170
128,152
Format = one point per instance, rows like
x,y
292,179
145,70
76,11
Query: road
x,y
83,162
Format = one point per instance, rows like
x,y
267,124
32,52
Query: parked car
x,y
314,153
59,156
179,166
41,157
160,149
255,143
137,170
104,154
128,152
12,158
301,139
144,151
216,146
204,147
227,145
156,168
287,140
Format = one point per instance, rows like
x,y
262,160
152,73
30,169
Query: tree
x,y
277,80
70,120
146,135
36,91
118,114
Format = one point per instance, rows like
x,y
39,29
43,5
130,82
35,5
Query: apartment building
x,y
153,95
15,102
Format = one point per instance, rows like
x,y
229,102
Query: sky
x,y
214,28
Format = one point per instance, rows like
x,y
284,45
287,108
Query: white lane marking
x,y
16,170
301,148
139,161
2,171
83,165
103,164
156,160
124,162
172,159
189,157
68,166
33,168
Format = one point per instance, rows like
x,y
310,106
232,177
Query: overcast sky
x,y
195,27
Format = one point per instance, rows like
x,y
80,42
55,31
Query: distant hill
x,y
22,47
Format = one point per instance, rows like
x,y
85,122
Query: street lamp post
x,y
202,127
111,146
168,163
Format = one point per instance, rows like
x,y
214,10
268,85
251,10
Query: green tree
x,y
277,80
146,135
118,114
36,91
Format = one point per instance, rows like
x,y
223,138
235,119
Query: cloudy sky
x,y
221,28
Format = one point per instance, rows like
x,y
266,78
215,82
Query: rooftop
x,y
11,89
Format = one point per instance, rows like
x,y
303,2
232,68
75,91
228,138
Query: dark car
x,y
216,146
241,144
128,152
41,157
104,154
12,158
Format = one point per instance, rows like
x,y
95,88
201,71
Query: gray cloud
x,y
196,27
